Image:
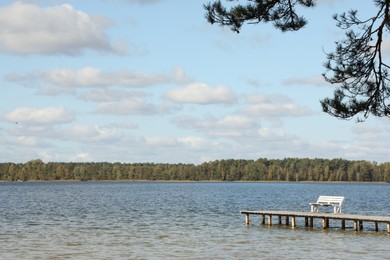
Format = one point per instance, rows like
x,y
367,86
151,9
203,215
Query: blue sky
x,y
152,81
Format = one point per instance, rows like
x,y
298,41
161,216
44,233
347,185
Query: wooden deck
x,y
289,217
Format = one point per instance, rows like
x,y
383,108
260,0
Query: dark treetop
x,y
356,67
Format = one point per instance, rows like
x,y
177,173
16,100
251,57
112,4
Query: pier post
x,y
311,224
287,220
280,219
376,226
355,225
360,225
343,224
388,228
293,221
247,219
270,220
325,223
262,219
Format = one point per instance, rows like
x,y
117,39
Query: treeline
x,y
289,169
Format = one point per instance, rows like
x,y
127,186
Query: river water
x,y
153,220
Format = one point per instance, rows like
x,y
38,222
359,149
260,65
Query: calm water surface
x,y
133,220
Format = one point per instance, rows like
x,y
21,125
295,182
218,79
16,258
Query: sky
x,y
151,81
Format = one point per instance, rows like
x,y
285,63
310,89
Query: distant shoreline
x,y
190,181
260,170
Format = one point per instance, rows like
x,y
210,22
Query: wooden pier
x,y
289,217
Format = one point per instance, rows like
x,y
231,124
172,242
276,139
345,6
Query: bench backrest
x,y
330,200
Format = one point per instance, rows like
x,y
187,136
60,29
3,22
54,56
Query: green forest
x,y
288,169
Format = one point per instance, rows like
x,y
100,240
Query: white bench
x,y
328,201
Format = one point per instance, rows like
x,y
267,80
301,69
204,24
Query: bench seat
x,y
328,201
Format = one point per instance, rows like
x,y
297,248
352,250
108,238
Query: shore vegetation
x,y
288,169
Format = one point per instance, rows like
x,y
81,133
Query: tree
x,y
356,67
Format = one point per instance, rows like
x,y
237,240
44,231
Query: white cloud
x,y
79,134
230,126
93,77
87,76
386,47
27,28
190,142
201,94
48,115
271,134
194,142
180,76
82,157
273,106
235,121
131,106
39,130
161,141
125,125
317,81
372,139
111,95
116,102
92,134
226,122
26,141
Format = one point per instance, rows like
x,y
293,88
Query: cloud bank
x,y
26,28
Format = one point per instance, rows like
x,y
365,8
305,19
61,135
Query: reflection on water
x,y
135,220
